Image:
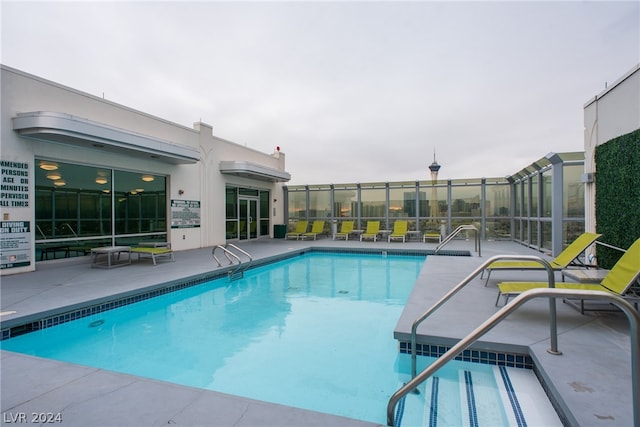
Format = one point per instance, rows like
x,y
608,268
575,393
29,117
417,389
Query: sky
x,y
350,91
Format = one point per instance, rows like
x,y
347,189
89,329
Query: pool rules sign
x,y
14,189
16,244
15,236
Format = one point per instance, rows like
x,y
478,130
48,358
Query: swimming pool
x,y
314,332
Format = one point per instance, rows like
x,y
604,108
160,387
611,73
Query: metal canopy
x,y
255,171
67,129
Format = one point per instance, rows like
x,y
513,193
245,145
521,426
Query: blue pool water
x,y
314,332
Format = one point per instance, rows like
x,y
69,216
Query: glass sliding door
x,y
248,214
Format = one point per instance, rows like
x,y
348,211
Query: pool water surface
x,y
314,332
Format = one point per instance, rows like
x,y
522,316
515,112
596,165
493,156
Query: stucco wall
x,y
201,181
215,150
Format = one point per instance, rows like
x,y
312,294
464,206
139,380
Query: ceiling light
x,y
59,183
133,192
54,175
48,166
101,180
139,190
148,178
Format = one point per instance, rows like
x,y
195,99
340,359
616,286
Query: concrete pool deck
x,y
591,380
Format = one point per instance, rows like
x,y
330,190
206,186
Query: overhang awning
x,y
67,129
253,170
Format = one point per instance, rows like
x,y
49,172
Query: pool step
x,y
534,406
497,396
483,405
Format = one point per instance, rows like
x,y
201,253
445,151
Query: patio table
x,y
110,252
585,276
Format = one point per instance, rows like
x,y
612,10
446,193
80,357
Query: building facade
x,y
79,171
613,112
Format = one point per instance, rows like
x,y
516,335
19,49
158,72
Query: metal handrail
x,y
226,253
477,271
241,266
44,236
552,293
71,228
455,232
245,253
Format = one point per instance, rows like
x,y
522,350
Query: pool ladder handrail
x,y
238,272
455,232
469,278
552,293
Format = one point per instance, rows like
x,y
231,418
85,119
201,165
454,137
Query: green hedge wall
x,y
617,195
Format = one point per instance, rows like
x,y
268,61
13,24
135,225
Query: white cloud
x,y
351,91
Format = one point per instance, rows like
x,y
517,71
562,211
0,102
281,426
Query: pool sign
x,y
185,213
15,244
14,188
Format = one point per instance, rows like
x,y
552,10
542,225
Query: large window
x,y
140,206
345,201
465,200
79,207
374,203
546,234
517,193
534,195
433,206
231,209
319,203
264,213
572,202
402,200
466,206
536,190
546,193
573,190
297,206
498,210
526,194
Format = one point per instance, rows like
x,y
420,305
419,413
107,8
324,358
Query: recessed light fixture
x,y
134,192
101,180
148,178
59,183
48,166
54,175
5,313
139,190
